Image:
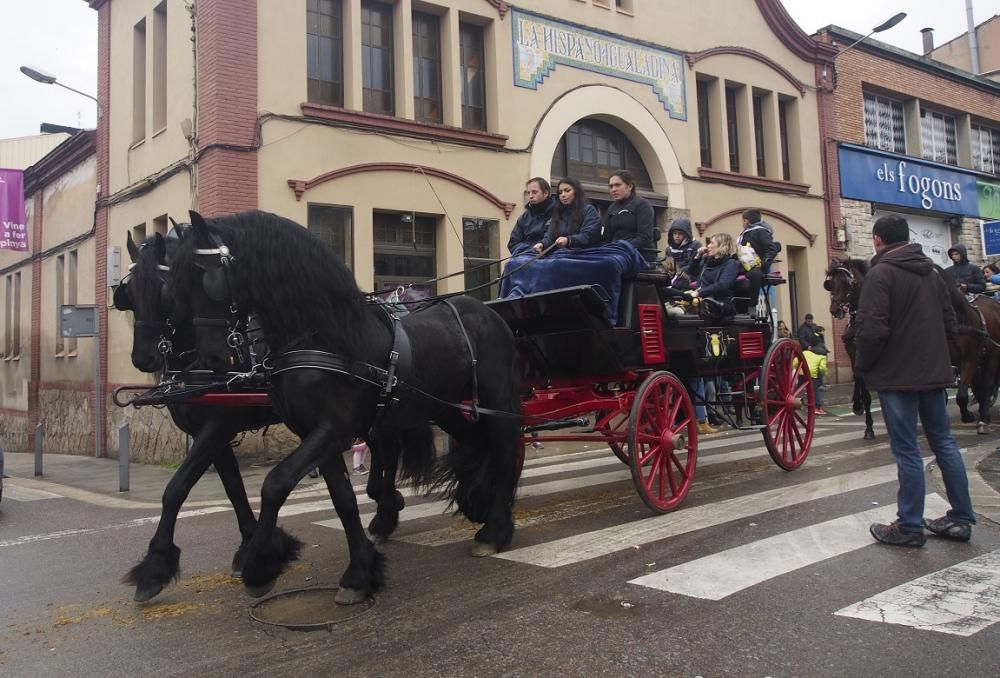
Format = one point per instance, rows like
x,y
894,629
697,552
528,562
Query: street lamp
x,y
38,75
884,26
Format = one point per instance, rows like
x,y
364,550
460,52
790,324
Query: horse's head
x,y
143,291
843,282
202,284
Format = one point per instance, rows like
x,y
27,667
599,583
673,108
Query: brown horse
x,y
975,349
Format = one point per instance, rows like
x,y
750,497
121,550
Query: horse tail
x,y
418,456
466,480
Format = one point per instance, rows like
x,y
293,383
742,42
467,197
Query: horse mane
x,y
858,266
146,280
293,282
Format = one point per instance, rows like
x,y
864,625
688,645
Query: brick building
x,y
912,136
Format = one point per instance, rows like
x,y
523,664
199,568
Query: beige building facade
x,y
403,131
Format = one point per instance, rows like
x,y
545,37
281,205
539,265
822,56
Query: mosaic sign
x,y
541,44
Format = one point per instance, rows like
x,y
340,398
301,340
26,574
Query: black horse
x,y
343,368
157,346
975,349
843,282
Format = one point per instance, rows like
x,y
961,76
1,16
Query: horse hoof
x,y
347,596
981,429
481,550
858,410
400,502
259,591
379,539
968,418
869,435
146,594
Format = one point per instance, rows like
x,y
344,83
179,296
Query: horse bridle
x,y
844,306
167,331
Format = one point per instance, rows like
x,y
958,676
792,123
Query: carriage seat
x,y
652,253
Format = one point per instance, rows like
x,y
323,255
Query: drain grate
x,y
312,609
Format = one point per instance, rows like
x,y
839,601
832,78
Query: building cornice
x,y
60,160
391,124
796,226
791,35
752,181
501,7
694,57
96,4
300,186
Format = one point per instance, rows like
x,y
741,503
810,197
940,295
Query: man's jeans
x,y
900,410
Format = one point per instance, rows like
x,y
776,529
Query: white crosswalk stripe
x,y
960,600
24,494
722,574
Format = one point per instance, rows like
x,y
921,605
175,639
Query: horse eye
x,y
828,286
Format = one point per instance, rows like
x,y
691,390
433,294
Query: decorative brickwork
x,y
226,34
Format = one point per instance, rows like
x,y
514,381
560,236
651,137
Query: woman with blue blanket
x,y
575,222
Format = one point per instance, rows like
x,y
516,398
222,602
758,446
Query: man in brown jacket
x,y
903,323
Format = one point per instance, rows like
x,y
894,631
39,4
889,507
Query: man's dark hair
x,y
892,228
753,216
542,184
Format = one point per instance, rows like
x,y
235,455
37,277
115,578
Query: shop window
x,y
405,250
12,317
733,126
427,67
591,150
481,242
758,133
986,149
334,225
937,137
325,51
786,167
704,124
472,63
376,58
884,127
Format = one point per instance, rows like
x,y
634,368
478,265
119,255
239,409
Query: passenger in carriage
x,y
530,226
759,236
630,217
681,245
716,268
575,222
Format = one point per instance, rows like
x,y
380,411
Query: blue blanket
x,y
604,266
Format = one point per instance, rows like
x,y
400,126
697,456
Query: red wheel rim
x,y
614,424
663,442
789,404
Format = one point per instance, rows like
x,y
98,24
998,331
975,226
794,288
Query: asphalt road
x,y
759,573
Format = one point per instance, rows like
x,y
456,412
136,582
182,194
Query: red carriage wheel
x,y
662,441
788,403
613,424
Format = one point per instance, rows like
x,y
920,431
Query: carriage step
x,y
575,422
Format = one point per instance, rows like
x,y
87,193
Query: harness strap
x,y
474,414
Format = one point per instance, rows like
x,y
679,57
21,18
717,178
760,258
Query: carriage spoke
x,y
680,427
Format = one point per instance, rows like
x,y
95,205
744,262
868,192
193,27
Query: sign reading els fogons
x,y
540,43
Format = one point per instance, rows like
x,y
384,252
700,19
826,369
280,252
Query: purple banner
x,y
13,222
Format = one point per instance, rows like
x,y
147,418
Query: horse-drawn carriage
x,y
632,385
490,379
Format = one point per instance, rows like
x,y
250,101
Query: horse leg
x,y
390,501
962,399
858,398
866,402
365,574
161,564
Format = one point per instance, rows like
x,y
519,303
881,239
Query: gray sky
x,y
60,36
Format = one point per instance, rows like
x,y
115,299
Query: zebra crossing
x,y
961,600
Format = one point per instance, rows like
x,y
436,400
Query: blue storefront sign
x,y
891,179
991,238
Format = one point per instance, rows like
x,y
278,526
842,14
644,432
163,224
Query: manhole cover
x,y
306,609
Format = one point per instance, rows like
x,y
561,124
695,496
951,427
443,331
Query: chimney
x,y
928,34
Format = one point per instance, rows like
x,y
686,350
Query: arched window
x,y
591,150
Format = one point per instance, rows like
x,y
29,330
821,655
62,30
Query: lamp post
x,y
41,76
884,26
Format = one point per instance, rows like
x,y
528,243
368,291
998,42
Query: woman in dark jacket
x,y
530,226
575,222
630,216
717,268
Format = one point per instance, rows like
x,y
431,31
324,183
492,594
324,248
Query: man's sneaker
x,y
949,529
892,534
537,445
314,473
820,412
360,470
